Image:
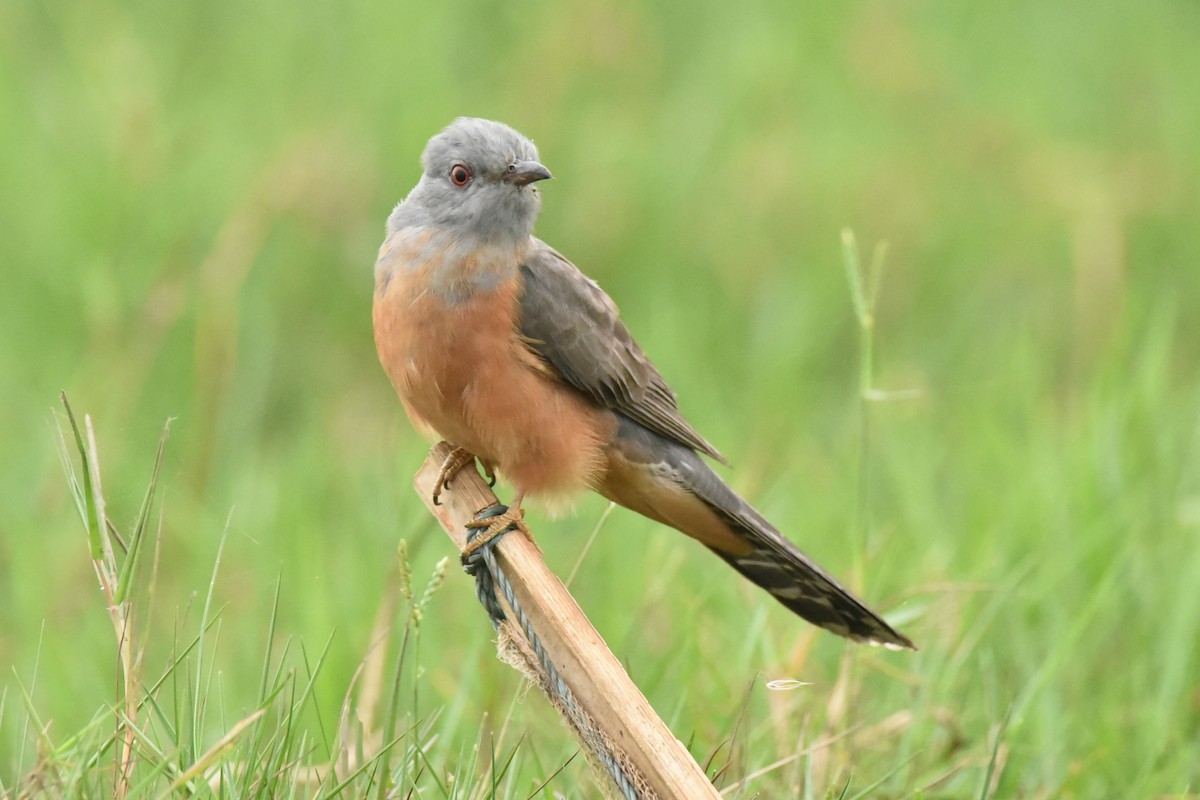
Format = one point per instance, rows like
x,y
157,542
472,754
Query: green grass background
x,y
192,199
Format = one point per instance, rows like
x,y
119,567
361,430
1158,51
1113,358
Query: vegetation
x,y
193,197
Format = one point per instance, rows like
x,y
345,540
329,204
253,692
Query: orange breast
x,y
462,371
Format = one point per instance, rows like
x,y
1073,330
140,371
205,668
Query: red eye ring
x,y
460,175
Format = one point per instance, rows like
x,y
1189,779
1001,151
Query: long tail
x,y
670,483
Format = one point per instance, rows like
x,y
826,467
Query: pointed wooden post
x,y
594,676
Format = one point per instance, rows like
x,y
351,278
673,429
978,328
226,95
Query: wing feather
x,y
570,323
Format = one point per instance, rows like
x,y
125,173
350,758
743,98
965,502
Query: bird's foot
x,y
458,458
499,520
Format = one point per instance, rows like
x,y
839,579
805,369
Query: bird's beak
x,y
524,173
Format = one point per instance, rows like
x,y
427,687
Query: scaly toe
x,y
455,461
491,527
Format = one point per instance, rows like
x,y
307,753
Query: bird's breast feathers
x,y
449,343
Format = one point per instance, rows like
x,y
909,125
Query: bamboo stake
x,y
587,666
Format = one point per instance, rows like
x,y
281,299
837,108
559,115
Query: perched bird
x,y
501,346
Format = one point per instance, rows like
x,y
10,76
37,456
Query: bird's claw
x,y
456,459
511,518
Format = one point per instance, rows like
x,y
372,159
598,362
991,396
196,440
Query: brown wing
x,y
571,324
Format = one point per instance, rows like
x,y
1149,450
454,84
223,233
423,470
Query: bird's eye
x,y
460,175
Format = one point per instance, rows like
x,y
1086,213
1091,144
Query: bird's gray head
x,y
477,183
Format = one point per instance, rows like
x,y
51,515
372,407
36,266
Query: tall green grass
x,y
193,196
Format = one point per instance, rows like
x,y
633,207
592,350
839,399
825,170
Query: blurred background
x,y
193,196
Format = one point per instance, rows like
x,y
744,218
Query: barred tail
x,y
778,567
669,482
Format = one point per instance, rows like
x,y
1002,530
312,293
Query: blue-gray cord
x,y
486,581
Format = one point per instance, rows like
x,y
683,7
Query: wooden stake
x,y
587,666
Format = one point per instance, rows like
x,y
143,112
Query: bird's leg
x,y
513,517
489,471
458,458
